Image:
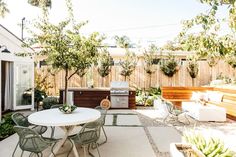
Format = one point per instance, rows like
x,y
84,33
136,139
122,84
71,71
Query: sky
x,y
143,21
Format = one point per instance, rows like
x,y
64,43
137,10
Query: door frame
x,y
15,107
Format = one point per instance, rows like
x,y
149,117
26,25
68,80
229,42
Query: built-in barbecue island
x,y
91,97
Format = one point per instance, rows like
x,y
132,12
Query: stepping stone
x,y
128,120
163,136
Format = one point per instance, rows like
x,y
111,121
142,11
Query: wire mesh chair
x,y
103,120
21,120
173,113
88,135
31,141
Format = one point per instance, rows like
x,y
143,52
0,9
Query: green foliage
x,y
153,91
123,41
192,66
67,108
38,3
232,9
210,147
6,128
149,56
147,97
231,59
40,80
3,9
128,63
50,101
65,47
39,95
169,66
104,63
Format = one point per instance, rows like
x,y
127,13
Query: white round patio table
x,y
54,117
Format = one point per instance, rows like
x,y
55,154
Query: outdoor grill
x,y
119,92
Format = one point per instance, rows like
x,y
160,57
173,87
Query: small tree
x,y
169,66
104,64
123,41
66,48
149,57
193,67
128,64
70,51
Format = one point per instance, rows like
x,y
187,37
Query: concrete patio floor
x,y
131,133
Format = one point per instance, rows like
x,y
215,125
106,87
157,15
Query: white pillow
x,y
195,96
215,96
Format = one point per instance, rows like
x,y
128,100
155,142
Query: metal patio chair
x,y
21,120
31,141
103,120
173,113
88,136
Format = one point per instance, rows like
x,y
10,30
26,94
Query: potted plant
x,y
199,146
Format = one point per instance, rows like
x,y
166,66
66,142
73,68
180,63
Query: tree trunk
x,y
150,80
66,86
193,82
102,82
81,82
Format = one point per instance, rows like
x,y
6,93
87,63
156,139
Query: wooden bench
x,y
177,95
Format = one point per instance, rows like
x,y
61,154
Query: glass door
x,y
23,85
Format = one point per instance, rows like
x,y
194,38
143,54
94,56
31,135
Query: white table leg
x,y
67,130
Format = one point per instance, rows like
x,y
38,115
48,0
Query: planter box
x,y
177,149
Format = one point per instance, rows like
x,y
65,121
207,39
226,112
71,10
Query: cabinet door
x,y
23,85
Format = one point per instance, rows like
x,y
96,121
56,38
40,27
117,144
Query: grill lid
x,y
119,85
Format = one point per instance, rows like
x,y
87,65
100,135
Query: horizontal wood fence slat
x,y
140,78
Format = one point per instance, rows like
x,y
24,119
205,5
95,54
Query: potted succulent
x,y
196,145
67,108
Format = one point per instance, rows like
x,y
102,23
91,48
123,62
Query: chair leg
x,y
53,130
22,153
92,148
84,151
97,149
104,135
13,154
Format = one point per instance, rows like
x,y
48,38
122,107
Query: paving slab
x,y
126,142
153,114
128,120
127,111
109,120
163,136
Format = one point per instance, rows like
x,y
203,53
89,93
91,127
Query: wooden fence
x,y
140,78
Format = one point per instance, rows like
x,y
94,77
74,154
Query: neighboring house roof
x,y
120,52
12,42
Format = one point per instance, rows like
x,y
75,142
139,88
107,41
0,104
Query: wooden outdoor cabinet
x,y
91,97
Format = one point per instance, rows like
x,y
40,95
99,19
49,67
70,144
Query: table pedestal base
x,y
67,130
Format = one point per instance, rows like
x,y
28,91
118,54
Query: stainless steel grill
x,y
119,92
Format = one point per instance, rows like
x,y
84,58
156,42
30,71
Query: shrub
x,y
6,128
169,66
50,101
